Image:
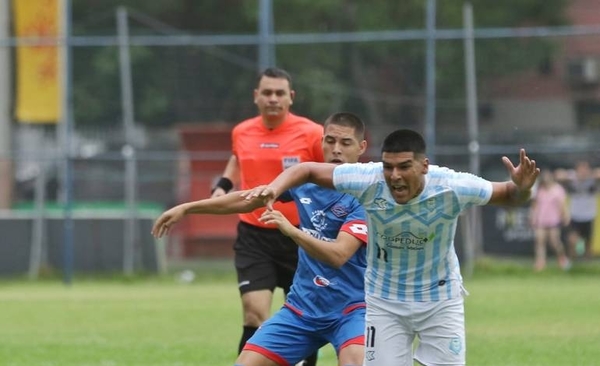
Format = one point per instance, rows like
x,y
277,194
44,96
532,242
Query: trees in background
x,y
382,81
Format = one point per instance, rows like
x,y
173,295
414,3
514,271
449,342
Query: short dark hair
x,y
347,119
275,72
404,140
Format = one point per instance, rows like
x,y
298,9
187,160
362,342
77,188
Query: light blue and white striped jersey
x,y
411,255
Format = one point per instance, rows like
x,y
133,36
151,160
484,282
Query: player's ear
x,y
292,96
425,163
255,95
363,146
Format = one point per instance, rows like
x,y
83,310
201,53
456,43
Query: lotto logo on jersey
x,y
289,161
356,228
269,145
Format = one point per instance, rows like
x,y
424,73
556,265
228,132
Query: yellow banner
x,y
38,80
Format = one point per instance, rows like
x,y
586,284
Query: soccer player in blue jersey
x,y
413,282
326,301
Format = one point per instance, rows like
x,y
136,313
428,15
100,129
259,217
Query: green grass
x,y
514,317
545,320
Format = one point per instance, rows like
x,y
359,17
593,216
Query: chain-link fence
x,y
537,88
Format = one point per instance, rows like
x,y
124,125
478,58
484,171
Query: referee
x,y
263,146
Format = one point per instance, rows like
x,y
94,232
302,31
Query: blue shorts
x,y
287,338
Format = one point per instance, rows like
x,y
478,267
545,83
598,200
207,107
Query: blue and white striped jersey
x,y
411,255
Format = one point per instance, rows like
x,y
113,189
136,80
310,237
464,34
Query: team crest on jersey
x,y
289,161
318,220
431,204
321,281
455,345
339,210
269,145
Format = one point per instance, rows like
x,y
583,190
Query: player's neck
x,y
272,123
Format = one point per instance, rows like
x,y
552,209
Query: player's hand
x,y
164,223
274,217
523,175
264,192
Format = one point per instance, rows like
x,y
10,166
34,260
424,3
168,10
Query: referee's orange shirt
x,y
263,153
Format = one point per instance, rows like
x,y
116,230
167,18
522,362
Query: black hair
x,y
348,119
404,140
277,73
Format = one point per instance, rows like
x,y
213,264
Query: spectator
x,y
582,186
548,212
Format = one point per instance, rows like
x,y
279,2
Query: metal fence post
x,y
129,233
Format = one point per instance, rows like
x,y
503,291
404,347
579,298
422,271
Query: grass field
x,y
514,317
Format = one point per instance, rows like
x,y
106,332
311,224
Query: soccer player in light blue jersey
x,y
413,282
326,303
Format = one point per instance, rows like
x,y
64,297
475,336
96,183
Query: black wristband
x,y
224,183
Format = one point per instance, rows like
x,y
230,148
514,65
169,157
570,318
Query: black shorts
x,y
582,228
264,259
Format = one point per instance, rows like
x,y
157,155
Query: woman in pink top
x,y
548,212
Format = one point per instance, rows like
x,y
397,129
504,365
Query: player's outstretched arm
x,y
228,204
309,172
334,253
518,189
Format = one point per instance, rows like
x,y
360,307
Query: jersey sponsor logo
x,y
290,161
305,200
339,210
321,281
316,234
269,145
406,240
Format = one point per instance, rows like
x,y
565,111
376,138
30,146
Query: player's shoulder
x,y
247,124
462,183
351,168
340,201
443,172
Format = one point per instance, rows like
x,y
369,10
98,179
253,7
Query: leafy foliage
x,y
383,81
